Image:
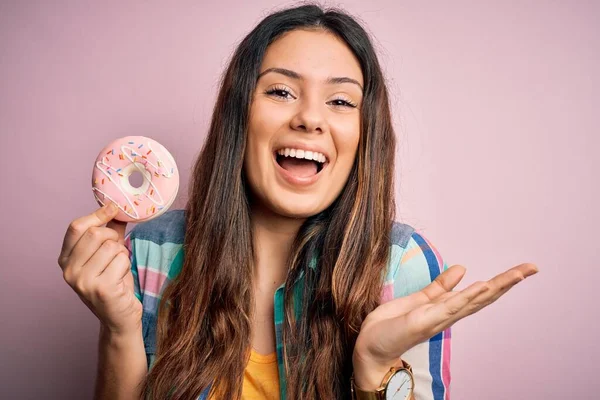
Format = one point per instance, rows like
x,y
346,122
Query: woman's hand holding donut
x,y
398,325
95,263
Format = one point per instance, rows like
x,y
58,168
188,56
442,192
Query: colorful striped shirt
x,y
156,251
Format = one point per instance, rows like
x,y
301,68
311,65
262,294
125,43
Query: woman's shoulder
x,y
167,228
414,262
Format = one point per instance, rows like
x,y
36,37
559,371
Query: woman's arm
x,y
121,366
420,264
122,363
414,264
399,325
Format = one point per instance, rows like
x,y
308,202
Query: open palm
x,y
400,324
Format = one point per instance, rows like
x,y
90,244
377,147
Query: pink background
x,y
496,105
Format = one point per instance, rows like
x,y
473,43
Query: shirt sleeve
x,y
148,321
129,243
419,264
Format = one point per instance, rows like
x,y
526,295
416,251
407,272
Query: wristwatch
x,y
397,384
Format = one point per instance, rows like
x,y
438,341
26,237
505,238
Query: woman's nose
x,y
310,117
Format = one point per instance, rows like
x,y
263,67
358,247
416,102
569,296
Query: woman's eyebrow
x,y
294,75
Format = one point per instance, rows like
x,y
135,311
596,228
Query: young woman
x,y
286,275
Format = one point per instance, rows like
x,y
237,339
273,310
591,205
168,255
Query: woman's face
x,y
304,123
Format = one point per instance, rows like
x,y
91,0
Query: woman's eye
x,y
342,103
284,94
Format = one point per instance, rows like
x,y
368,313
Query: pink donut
x,y
113,167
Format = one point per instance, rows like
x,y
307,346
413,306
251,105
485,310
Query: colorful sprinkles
x,y
137,158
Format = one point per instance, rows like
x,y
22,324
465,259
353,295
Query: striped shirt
x,y
156,252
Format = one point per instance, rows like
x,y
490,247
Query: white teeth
x,y
306,154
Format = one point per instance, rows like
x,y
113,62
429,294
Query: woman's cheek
x,y
346,130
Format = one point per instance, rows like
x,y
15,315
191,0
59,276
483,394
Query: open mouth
x,y
301,164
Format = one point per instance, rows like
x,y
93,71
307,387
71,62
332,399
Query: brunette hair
x,y
204,324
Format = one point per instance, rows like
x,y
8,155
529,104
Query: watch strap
x,y
379,393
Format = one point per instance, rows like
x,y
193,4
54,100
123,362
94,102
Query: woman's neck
x,y
273,236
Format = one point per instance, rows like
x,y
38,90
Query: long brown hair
x,y
205,318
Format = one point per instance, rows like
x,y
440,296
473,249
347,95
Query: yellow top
x,y
261,377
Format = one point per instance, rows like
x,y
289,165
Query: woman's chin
x,y
297,208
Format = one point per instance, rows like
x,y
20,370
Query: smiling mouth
x,y
300,167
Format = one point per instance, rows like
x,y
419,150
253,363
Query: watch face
x,y
400,386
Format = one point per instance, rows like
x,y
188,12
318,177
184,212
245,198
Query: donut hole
x,y
136,179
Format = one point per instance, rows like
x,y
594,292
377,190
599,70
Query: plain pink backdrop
x,y
496,107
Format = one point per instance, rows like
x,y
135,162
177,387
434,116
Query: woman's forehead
x,y
313,54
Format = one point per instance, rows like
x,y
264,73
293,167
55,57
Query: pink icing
x,y
116,162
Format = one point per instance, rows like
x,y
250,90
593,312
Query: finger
x,y
488,293
453,304
506,280
497,287
502,284
443,283
444,297
426,319
79,226
119,227
102,258
89,244
523,270
117,269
